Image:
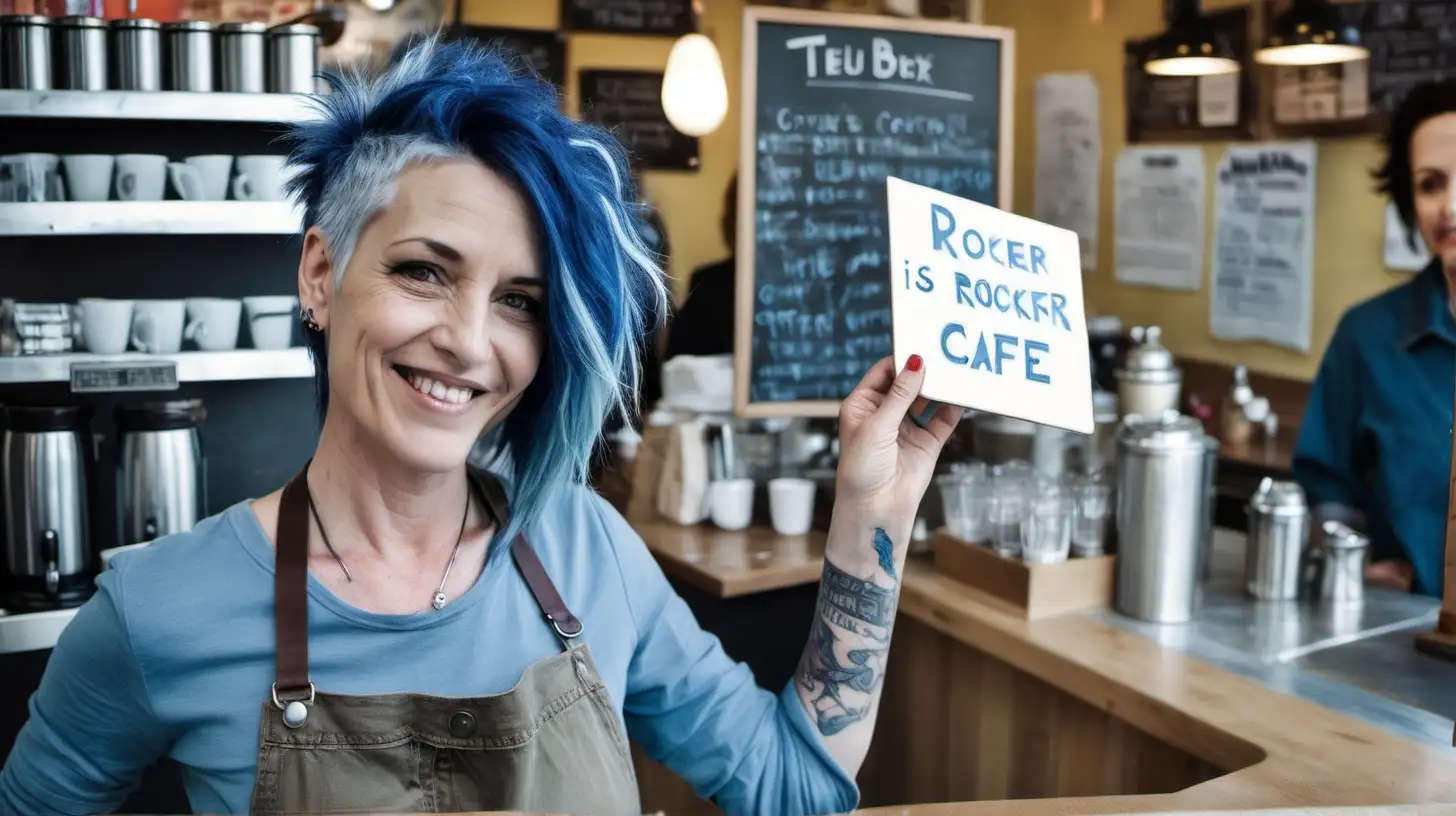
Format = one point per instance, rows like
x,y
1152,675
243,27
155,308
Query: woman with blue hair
x,y
370,638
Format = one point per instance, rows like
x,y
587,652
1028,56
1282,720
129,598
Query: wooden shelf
x,y
156,106
149,218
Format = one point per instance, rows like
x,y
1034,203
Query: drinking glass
x,y
1005,508
952,501
975,502
1091,503
1047,530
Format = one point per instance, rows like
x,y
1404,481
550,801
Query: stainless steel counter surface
x,y
1356,659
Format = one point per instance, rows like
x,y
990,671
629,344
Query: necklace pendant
x,y
439,602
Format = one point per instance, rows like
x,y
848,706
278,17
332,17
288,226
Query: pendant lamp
x,y
1190,46
1311,32
694,91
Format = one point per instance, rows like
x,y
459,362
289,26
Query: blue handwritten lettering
x,y
1014,257
1002,291
963,284
1059,302
1002,340
983,293
945,335
1038,260
1033,346
939,233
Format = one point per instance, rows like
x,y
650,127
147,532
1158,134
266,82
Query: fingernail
x,y
914,362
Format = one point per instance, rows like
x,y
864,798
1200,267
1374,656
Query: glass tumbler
x,y
1004,512
975,501
952,501
1091,505
1047,530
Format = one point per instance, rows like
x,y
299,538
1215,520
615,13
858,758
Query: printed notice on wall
x,y
1263,254
1069,157
1404,250
993,303
1159,212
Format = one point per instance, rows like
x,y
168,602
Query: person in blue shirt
x,y
397,631
1375,446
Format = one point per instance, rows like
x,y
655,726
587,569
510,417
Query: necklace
x,y
439,601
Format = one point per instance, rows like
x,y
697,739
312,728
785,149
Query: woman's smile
x,y
439,392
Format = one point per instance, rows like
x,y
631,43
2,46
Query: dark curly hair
x,y
1393,178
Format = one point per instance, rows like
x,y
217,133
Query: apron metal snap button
x,y
295,714
462,724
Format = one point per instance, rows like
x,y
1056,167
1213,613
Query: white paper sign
x,y
1069,157
1398,252
992,302
1159,206
1263,256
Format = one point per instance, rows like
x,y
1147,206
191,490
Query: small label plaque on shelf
x,y
131,375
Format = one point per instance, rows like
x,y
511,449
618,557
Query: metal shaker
x,y
136,54
240,55
1340,565
189,55
1161,515
81,61
293,60
25,52
1278,532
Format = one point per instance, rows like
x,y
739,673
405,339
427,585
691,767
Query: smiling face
x,y
436,328
1433,181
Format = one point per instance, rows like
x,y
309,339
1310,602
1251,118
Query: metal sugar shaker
x,y
1161,508
189,55
1341,564
1149,381
136,54
1278,525
25,52
241,56
81,61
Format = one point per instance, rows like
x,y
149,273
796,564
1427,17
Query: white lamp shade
x,y
694,92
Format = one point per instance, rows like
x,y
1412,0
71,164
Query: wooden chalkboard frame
x,y
748,160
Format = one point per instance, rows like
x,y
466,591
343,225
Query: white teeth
x,y
438,390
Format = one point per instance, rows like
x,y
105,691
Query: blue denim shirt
x,y
1376,436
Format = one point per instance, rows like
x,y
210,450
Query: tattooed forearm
x,y
854,619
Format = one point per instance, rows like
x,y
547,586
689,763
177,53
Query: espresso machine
x,y
160,483
47,468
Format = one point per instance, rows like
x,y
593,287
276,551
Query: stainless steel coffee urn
x,y
160,479
1278,533
1162,516
46,469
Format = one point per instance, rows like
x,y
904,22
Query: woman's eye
x,y
1431,184
524,303
422,273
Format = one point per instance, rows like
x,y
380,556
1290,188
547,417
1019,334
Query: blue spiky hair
x,y
441,100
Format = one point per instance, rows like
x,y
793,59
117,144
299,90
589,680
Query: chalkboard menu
x,y
543,51
833,105
1410,42
630,104
1174,108
667,18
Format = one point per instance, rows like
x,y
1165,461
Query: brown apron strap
x,y
290,589
542,589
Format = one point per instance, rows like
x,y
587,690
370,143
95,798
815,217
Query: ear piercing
x,y
309,321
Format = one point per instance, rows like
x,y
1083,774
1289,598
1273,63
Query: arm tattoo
x,y
848,607
885,549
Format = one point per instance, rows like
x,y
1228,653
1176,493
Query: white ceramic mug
x,y
730,503
791,505
31,177
260,178
89,175
201,178
214,323
271,319
106,324
141,177
158,325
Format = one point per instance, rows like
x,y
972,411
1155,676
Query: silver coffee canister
x,y
25,52
1161,501
293,58
1278,533
1341,566
240,55
189,58
81,61
136,54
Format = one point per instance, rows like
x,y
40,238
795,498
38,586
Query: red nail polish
x,y
914,362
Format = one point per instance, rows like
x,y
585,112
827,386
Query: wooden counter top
x,y
730,564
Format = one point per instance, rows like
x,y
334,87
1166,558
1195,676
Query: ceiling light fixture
x,y
694,90
1311,32
1190,46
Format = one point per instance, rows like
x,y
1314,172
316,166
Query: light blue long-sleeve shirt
x,y
174,656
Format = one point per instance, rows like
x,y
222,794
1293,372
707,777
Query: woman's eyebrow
x,y
527,280
445,251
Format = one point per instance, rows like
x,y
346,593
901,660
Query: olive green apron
x,y
551,744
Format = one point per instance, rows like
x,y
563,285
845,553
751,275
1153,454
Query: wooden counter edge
x,y
1289,751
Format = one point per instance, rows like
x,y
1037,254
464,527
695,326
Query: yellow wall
x,y
690,202
1058,35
